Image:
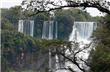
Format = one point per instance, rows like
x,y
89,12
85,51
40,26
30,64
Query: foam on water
x,y
81,33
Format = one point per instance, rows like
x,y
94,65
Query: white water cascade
x,y
26,27
31,28
20,26
81,33
48,30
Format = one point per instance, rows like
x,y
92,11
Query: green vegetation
x,y
21,53
101,56
65,19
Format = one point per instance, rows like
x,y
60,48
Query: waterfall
x,y
20,26
31,28
81,33
26,27
56,30
48,30
83,30
44,30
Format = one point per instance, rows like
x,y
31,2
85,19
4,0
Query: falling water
x,y
48,30
31,28
44,30
56,30
81,33
20,26
26,27
83,30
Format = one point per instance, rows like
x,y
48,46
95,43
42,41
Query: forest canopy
x,y
20,52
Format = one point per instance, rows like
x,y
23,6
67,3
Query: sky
x,y
12,3
9,3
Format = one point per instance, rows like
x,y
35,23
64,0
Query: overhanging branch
x,y
74,5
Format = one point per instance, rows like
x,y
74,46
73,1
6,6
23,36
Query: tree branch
x,y
86,4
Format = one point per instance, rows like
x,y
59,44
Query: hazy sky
x,y
11,3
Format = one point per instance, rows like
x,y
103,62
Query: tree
x,y
12,15
21,53
66,18
68,52
6,24
18,51
101,55
38,6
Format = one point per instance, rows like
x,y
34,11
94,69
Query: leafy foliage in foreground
x,y
101,56
21,52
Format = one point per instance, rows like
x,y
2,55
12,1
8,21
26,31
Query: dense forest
x,y
20,52
65,19
101,56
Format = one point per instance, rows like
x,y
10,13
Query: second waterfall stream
x,y
81,33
